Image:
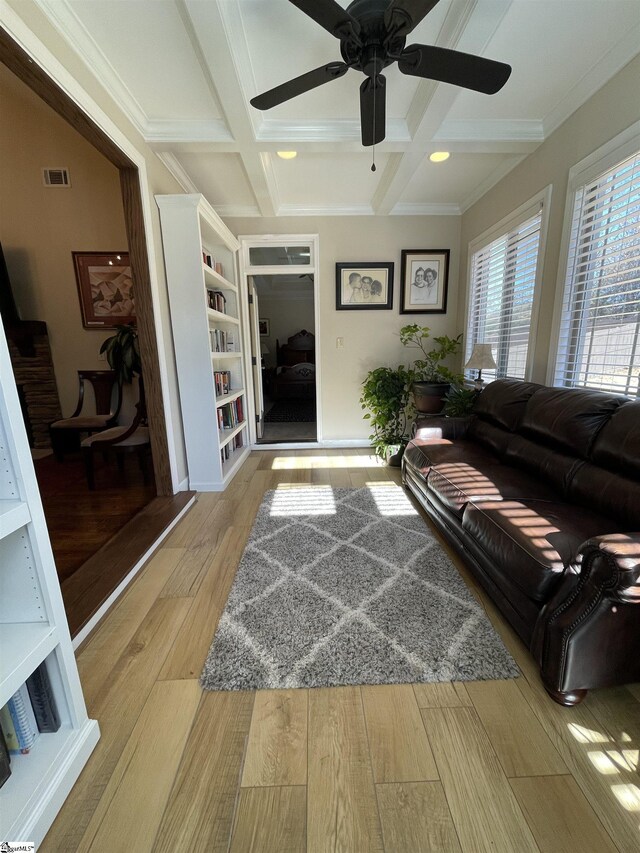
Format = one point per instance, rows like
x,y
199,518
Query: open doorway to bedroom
x,y
281,284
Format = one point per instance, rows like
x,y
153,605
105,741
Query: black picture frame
x,y
355,293
424,281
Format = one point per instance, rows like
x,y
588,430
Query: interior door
x,y
256,357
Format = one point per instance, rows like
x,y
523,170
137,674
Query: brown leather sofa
x,y
539,491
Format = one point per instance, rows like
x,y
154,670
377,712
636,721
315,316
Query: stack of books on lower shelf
x,y
217,301
230,415
31,711
222,341
233,445
222,378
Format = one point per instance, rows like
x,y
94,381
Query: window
x,y
599,340
502,289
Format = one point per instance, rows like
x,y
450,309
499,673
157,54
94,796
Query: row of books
x,y
217,301
32,710
233,445
231,414
212,263
222,379
222,341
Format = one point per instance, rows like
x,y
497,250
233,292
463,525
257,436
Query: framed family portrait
x,y
364,285
265,328
424,281
105,289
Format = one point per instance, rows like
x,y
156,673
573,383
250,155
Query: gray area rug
x,y
348,586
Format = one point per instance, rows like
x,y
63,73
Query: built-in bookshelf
x,y
33,633
200,255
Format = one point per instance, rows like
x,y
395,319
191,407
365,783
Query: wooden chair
x,y
120,440
107,391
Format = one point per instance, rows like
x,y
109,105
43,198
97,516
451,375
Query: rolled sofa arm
x,y
588,633
438,427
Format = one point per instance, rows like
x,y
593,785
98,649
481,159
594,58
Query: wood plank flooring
x,y
453,768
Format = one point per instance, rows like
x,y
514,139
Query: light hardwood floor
x,y
481,766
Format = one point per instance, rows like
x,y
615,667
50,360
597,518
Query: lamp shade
x,y
481,358
264,349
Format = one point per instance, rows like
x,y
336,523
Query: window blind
x,y
599,342
503,278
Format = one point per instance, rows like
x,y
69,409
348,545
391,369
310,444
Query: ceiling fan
x,y
372,35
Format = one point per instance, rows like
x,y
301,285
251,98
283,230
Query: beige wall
x,y
370,337
612,109
41,226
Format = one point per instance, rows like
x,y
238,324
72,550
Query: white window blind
x,y
503,279
599,344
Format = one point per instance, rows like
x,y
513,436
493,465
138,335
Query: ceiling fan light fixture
x,y
287,155
439,156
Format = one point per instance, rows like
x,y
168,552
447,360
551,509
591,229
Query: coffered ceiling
x,y
184,72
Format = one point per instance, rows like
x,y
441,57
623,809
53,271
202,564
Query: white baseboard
x,y
124,583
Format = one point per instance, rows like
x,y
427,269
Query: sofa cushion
x,y
423,455
503,402
550,465
568,420
607,492
617,446
494,438
534,542
455,483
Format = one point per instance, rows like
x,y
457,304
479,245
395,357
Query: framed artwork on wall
x,y
424,281
265,328
364,285
105,289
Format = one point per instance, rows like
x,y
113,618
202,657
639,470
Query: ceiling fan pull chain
x,y
373,164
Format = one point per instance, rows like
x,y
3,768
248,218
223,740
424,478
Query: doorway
x,y
280,276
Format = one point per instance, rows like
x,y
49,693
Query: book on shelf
x,y
207,259
222,341
231,342
18,722
231,414
222,379
5,760
42,700
230,448
217,301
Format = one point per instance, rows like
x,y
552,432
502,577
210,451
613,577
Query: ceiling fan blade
x,y
372,109
453,66
299,85
331,16
402,16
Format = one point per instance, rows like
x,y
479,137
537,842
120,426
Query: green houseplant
x,y
431,379
385,394
123,353
459,401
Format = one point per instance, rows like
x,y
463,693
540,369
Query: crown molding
x,y
491,180
331,130
487,130
158,131
598,76
335,210
65,20
405,208
177,170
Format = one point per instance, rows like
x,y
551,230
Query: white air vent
x,y
56,178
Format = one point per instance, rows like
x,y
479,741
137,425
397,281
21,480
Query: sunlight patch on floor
x,y
391,499
584,735
628,796
288,463
305,500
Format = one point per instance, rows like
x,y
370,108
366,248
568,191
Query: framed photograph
x,y
105,289
265,328
424,281
364,285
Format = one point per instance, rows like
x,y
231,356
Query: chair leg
x,y
88,467
144,466
57,444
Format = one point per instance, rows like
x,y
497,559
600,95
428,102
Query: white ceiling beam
x,y
433,101
209,30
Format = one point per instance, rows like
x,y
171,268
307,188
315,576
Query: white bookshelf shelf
x,y
219,317
226,435
24,646
13,516
223,399
234,462
191,227
221,283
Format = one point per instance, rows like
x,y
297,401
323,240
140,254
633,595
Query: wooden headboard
x,y
299,347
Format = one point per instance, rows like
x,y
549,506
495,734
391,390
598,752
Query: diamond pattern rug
x,y
348,586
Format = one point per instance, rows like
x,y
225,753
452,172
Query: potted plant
x,y
385,393
123,353
459,401
431,380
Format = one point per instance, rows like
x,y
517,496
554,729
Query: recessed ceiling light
x,y
287,155
439,156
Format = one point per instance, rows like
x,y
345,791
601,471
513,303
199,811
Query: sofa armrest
x,y
585,633
439,427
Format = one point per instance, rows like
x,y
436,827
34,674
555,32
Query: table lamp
x,y
481,359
